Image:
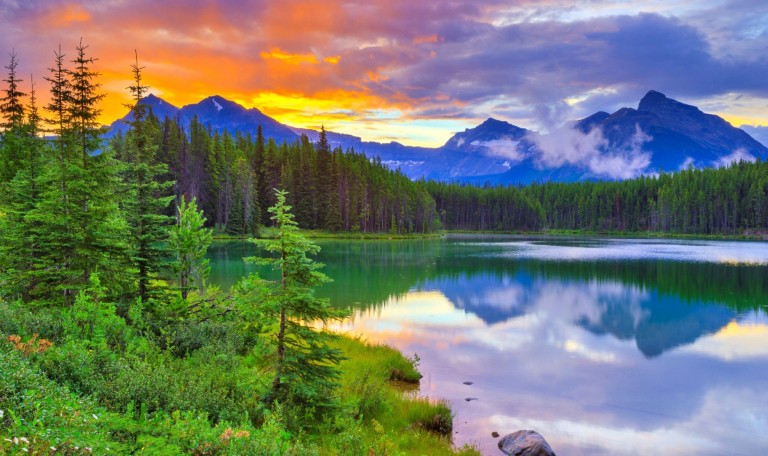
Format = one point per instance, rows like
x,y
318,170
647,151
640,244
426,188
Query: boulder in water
x,y
525,443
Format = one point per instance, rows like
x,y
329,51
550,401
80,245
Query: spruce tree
x,y
51,220
304,364
148,191
95,181
76,219
12,110
18,243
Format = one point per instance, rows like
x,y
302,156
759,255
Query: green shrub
x,y
21,320
432,416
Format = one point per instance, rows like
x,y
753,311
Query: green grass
x,y
393,420
198,395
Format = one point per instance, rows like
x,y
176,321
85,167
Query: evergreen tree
x,y
76,219
304,364
12,110
148,192
10,104
18,242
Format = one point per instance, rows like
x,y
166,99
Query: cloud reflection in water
x,y
596,366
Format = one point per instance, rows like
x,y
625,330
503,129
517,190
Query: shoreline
x,y
345,235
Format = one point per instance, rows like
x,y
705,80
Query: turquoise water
x,y
604,346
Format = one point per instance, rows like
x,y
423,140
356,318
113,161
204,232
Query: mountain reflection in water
x,y
603,346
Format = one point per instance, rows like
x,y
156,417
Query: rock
x,y
525,443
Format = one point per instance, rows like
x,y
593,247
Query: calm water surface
x,y
604,346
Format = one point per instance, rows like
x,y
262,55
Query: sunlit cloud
x,y
455,59
735,341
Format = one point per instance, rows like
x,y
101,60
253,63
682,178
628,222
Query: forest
x,y
112,338
106,310
232,178
712,201
346,191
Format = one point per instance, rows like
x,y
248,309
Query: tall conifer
x,y
148,191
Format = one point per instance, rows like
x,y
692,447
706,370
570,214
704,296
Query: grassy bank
x,y
119,392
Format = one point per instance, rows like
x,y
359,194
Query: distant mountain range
x,y
661,134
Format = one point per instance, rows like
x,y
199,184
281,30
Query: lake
x,y
604,346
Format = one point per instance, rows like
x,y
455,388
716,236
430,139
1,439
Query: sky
x,y
414,71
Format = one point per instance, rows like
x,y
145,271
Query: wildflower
x,y
53,448
2,414
15,440
95,417
24,439
240,434
25,450
227,434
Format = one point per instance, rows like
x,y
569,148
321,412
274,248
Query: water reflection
x,y
589,393
626,347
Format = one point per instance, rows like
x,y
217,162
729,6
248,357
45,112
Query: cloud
x,y
687,163
760,133
567,145
455,59
736,156
503,147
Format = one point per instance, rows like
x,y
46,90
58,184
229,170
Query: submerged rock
x,y
525,443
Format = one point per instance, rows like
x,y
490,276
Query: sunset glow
x,y
374,68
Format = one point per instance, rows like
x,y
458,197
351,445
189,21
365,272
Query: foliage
x,y
727,201
147,191
303,363
189,241
97,357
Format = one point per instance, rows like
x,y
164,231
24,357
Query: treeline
x,y
232,178
730,200
468,207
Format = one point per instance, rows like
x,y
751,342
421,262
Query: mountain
x,y
678,135
661,134
158,106
219,114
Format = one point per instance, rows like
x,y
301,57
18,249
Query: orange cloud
x,y
430,39
292,59
67,15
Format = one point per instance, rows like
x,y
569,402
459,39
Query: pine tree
x,y
95,181
148,193
12,107
76,219
304,364
51,219
12,110
18,242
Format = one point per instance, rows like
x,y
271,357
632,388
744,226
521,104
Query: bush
x,y
24,321
433,416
